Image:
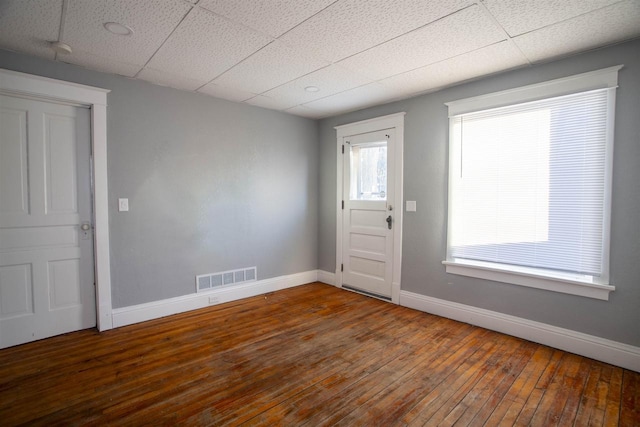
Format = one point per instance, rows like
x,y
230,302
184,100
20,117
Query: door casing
x,y
392,121
43,88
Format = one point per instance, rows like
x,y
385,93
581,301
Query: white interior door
x,y
46,258
368,225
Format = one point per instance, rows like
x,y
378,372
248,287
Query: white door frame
x,y
392,121
42,88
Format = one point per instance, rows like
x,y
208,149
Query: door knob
x,y
85,231
389,221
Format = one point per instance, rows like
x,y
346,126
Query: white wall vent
x,y
207,282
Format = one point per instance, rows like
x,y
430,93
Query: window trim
x,y
598,79
530,277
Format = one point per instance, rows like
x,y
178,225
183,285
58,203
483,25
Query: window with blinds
x,y
530,186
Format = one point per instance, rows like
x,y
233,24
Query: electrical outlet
x,y
214,300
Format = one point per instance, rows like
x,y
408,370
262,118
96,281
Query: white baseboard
x,y
156,309
326,277
615,353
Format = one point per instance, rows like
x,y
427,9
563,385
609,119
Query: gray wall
x,y
212,185
215,185
425,180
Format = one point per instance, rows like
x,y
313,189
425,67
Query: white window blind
x,y
528,184
530,173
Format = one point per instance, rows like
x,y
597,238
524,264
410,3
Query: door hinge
x,y
343,149
343,204
341,267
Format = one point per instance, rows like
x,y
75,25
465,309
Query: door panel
x,y
368,186
46,261
31,237
64,283
367,267
371,217
60,164
375,245
16,292
14,188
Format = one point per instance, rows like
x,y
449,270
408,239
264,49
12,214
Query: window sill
x,y
529,278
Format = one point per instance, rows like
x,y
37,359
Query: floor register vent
x,y
206,282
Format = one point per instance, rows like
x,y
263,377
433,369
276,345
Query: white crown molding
x,y
376,123
44,87
613,352
598,79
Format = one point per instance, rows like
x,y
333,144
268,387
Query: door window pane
x,y
369,172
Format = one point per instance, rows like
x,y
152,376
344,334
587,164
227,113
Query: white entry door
x,y
46,235
368,215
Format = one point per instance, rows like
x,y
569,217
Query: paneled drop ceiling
x,y
276,53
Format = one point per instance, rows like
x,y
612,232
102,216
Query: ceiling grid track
x,y
508,36
193,6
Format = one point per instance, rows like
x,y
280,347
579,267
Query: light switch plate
x,y
123,205
411,205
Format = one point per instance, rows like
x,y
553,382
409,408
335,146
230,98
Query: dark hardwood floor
x,y
311,355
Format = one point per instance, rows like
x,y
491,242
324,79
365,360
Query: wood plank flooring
x,y
312,355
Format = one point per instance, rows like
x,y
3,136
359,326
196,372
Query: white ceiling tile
x,y
226,48
329,81
608,25
224,92
272,66
521,16
301,110
266,102
177,81
151,21
205,45
461,32
351,26
100,63
353,99
29,25
491,59
272,17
